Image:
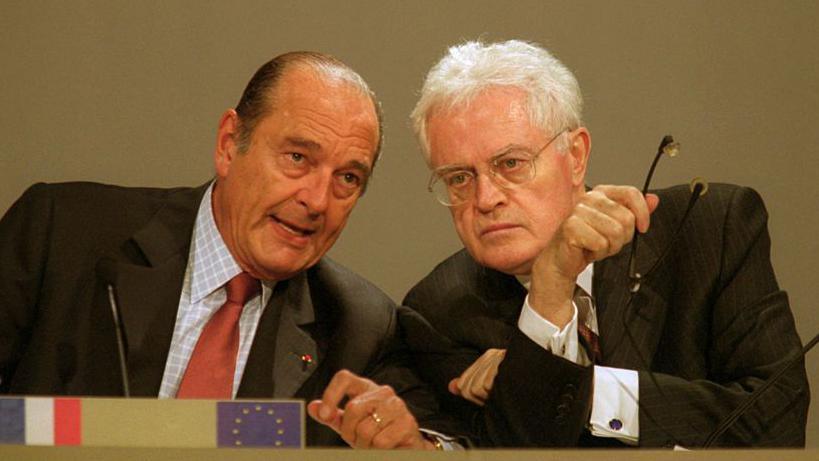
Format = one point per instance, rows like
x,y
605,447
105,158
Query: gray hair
x,y
554,101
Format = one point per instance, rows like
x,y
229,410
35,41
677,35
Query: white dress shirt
x,y
210,267
615,408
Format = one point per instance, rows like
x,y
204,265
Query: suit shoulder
x,y
452,278
91,193
453,270
77,197
720,204
721,227
350,292
721,194
93,215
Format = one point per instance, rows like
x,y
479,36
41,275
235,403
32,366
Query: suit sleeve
x,y
394,368
538,399
752,335
24,230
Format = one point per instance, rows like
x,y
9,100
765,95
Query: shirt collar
x,y
585,278
212,263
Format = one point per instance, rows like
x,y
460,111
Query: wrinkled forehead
x,y
483,126
303,90
494,98
307,82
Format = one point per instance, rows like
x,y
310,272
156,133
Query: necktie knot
x,y
242,288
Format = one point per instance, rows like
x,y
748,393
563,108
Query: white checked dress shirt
x,y
210,267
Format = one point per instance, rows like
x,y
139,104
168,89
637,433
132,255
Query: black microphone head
x,y
698,186
107,270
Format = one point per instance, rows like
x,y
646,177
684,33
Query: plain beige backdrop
x,y
131,92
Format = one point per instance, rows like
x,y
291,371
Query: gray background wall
x,y
131,92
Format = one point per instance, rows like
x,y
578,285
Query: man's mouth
x,y
497,228
292,228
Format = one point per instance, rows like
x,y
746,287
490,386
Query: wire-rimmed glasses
x,y
454,185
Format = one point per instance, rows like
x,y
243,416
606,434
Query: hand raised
x,y
602,221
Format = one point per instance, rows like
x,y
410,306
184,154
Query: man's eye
x,y
296,157
351,179
457,179
511,163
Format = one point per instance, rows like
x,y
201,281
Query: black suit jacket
x,y
709,322
62,245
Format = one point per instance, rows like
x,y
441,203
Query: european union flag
x,y
12,421
260,424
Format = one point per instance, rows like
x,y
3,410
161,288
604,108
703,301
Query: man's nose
x,y
488,195
315,193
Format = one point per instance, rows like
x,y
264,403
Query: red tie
x,y
585,335
210,370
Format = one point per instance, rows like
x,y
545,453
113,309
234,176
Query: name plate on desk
x,y
139,422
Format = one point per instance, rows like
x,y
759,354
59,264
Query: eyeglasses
x,y
455,185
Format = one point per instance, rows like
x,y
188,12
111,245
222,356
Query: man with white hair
x,y
534,333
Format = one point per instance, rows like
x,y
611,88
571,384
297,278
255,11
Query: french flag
x,y
41,421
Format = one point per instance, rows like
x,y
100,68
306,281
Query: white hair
x,y
554,101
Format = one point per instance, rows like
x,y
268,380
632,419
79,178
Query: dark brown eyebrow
x,y
311,145
303,142
360,166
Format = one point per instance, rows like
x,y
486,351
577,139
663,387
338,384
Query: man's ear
x,y
226,142
579,149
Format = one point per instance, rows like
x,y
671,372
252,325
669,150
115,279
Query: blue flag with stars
x,y
260,424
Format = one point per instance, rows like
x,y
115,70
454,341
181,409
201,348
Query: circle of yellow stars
x,y
257,409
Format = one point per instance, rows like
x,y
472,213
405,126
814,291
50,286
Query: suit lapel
x,y
148,298
147,277
630,325
291,366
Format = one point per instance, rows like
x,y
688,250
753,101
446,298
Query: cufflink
x,y
615,424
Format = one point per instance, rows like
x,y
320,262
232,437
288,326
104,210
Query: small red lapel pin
x,y
306,361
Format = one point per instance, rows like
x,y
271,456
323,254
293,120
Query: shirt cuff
x,y
441,441
547,335
615,410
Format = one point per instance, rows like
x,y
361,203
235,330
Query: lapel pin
x,y
306,361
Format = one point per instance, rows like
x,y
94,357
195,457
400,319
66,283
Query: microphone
x,y
698,187
668,147
107,272
729,420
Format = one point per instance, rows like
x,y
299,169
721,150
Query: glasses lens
x,y
515,167
453,187
442,194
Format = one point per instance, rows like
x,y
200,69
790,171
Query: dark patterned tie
x,y
585,335
210,371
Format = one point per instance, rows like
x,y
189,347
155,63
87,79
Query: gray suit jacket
x,y
62,245
708,326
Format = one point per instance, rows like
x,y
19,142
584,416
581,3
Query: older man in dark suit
x,y
532,334
222,290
